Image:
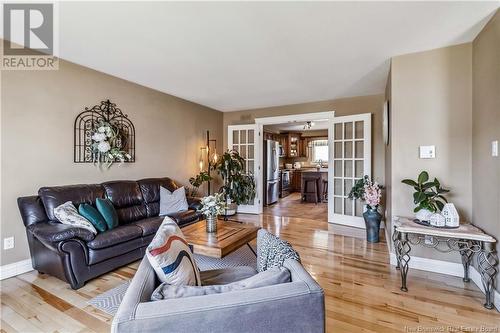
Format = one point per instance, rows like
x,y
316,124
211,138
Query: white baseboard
x,y
16,268
448,268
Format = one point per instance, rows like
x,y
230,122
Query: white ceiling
x,y
298,126
240,55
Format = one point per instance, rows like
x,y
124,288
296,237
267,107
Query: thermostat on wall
x,y
427,151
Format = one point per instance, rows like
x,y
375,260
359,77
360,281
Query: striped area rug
x,y
109,301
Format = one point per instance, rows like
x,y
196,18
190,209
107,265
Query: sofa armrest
x,y
54,232
194,203
140,290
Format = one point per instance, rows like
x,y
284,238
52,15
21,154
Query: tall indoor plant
x,y
239,186
428,196
371,192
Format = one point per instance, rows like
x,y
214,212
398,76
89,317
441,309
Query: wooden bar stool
x,y
325,190
310,186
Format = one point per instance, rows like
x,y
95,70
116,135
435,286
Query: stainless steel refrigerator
x,y
271,171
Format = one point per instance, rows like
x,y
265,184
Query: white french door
x,y
245,140
351,156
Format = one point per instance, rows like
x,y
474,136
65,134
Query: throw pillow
x,y
273,251
171,257
108,212
172,202
67,214
93,215
272,276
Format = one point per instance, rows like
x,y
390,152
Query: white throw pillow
x,y
171,257
172,202
67,214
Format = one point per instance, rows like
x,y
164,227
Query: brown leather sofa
x,y
75,255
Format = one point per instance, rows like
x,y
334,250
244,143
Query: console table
x,y
466,239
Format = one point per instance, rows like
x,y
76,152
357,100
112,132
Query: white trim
x,y
16,268
256,208
326,115
366,118
448,268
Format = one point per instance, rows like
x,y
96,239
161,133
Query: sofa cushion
x,y
170,256
272,276
149,225
273,251
93,215
67,214
77,194
127,199
108,212
185,217
226,275
115,236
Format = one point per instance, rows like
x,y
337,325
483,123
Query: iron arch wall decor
x,y
88,120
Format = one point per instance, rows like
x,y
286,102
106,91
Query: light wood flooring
x,y
361,288
292,206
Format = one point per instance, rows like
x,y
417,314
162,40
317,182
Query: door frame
x,y
303,117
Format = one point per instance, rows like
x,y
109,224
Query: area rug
x,y
109,301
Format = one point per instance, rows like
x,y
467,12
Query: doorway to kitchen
x,y
295,169
348,152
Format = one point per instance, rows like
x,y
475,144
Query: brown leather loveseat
x,y
76,255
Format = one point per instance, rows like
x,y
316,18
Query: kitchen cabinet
x,y
293,145
295,180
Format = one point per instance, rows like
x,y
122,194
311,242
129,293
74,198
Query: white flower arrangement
x,y
106,145
213,205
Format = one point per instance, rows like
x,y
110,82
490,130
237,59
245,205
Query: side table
x,y
466,239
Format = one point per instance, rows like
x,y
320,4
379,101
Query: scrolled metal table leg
x,y
467,254
403,248
396,243
487,260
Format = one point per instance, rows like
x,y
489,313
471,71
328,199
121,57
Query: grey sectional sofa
x,y
297,306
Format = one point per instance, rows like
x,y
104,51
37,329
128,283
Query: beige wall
x,y
388,166
342,107
432,105
486,128
38,111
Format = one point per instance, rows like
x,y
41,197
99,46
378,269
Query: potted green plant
x,y
371,192
197,181
239,187
428,196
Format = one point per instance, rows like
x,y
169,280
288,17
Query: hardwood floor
x,y
292,206
361,288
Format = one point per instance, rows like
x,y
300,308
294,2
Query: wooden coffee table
x,y
229,237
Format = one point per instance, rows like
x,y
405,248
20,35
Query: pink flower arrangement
x,y
373,193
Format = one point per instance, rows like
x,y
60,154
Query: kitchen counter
x,y
322,170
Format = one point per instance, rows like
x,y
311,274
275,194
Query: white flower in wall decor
x,y
99,137
103,146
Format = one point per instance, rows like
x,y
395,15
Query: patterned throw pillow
x,y
172,202
171,257
273,251
67,214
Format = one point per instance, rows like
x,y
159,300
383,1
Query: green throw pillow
x,y
107,210
93,215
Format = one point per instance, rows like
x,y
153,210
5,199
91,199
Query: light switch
x,y
494,148
427,151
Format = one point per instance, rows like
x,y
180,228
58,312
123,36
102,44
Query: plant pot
x,y
211,223
230,209
372,221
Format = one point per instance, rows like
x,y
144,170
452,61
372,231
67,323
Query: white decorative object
x,y
423,215
452,219
437,220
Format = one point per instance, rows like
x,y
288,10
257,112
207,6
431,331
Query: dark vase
x,y
372,221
